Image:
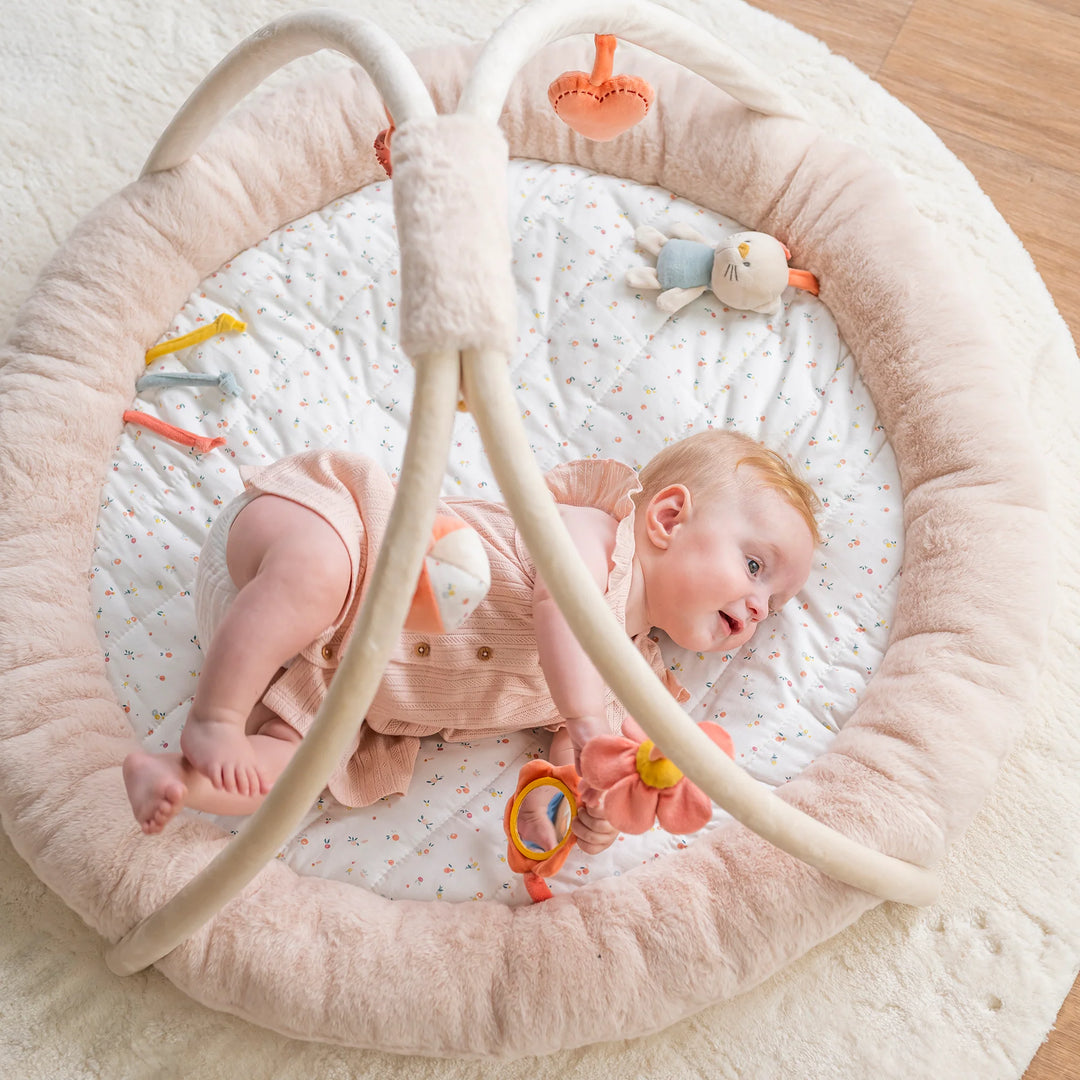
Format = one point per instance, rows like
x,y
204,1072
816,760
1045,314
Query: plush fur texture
x,y
448,173
323,960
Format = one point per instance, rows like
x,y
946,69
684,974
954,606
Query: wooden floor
x,y
998,81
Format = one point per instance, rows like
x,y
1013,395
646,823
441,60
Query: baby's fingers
x,y
594,834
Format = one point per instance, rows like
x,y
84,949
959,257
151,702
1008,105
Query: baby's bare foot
x,y
154,788
221,751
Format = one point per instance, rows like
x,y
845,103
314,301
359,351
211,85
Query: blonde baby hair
x,y
706,463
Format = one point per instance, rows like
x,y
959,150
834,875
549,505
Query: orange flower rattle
x,y
634,784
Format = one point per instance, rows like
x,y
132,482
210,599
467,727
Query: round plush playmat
x,y
989,636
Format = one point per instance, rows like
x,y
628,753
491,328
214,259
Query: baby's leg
x,y
293,572
159,785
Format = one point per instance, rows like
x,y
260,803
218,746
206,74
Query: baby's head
x,y
724,535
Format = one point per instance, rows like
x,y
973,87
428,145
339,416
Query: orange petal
x,y
684,808
607,759
630,806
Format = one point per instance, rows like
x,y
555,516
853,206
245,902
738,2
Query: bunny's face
x,y
750,271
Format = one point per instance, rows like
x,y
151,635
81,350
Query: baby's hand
x,y
581,729
593,831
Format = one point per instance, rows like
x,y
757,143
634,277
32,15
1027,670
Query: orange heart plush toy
x,y
601,105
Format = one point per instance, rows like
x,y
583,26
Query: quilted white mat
x,y
599,372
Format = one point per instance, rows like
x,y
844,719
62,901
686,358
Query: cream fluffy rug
x,y
965,990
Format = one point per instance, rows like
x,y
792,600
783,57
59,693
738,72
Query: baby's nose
x,y
756,607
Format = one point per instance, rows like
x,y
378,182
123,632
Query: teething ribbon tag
x,y
222,324
226,381
600,106
200,443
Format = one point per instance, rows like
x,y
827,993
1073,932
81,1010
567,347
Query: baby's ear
x,y
667,509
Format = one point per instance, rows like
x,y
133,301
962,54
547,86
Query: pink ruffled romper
x,y
481,680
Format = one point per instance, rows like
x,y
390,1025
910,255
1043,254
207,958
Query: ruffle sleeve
x,y
610,486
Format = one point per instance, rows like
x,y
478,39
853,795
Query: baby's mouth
x,y
734,625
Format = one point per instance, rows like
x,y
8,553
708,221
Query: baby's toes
x,y
247,783
228,778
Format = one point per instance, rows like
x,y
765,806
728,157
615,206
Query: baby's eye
x,y
753,566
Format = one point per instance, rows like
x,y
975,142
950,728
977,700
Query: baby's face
x,y
736,560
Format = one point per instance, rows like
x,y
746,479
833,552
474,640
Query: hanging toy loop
x,y
605,59
600,105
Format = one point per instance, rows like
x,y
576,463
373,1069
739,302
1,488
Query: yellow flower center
x,y
661,773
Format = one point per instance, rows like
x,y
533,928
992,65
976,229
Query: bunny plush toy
x,y
747,271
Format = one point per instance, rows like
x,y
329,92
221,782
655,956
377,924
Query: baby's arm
x,y
574,683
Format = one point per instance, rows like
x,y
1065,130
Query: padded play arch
x,y
705,924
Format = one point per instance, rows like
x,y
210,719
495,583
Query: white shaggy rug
x,y
965,990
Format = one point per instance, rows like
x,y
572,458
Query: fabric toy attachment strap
x,y
226,381
199,443
222,324
600,105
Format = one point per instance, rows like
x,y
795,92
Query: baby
x,y
715,534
